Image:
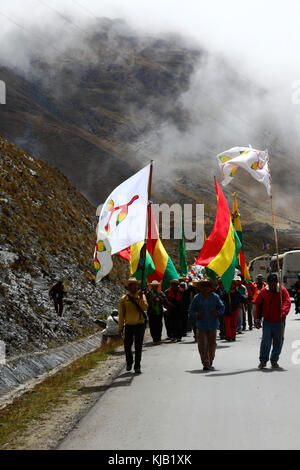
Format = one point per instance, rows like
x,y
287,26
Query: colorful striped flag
x,y
220,250
236,220
164,268
135,255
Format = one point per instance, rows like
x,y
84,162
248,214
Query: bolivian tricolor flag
x,y
135,255
164,268
220,250
238,227
158,264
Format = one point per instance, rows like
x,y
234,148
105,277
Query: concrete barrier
x,y
23,372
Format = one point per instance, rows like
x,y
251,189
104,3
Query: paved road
x,y
175,405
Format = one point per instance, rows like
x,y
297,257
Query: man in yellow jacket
x,y
132,323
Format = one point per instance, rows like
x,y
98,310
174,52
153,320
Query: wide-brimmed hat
x,y
154,283
174,281
132,280
201,282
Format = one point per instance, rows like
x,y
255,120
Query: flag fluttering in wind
x,y
165,270
122,220
236,220
253,161
158,264
102,259
220,250
182,252
124,214
137,255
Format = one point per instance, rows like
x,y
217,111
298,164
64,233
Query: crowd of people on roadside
x,y
204,307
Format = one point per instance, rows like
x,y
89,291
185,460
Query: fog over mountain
x,y
98,98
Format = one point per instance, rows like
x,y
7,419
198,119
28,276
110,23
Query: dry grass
x,y
46,396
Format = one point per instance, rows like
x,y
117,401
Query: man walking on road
x,y
132,320
250,286
268,307
241,321
297,294
259,286
156,301
205,308
173,318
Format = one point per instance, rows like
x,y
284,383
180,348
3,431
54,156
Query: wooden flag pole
x,y
148,224
276,242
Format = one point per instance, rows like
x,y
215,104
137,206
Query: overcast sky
x,y
263,36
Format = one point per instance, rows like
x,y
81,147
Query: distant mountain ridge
x,y
84,116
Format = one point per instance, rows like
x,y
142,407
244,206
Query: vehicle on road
x,y
289,263
260,265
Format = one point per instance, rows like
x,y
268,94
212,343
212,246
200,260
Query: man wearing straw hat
x,y
173,318
156,301
132,320
205,308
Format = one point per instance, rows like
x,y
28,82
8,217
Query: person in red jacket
x,y
268,307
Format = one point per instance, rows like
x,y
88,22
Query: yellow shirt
x,y
129,313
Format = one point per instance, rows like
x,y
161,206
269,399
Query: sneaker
x,y
274,365
206,368
128,367
137,371
262,365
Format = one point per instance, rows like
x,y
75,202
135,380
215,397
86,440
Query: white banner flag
x,y
102,259
123,216
253,161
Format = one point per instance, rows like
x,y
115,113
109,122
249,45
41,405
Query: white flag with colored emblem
x,y
253,161
102,259
123,216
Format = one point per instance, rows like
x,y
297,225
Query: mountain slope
x,y
47,233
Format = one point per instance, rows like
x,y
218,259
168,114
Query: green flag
x,y
182,253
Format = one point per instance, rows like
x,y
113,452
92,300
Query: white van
x,y
289,263
260,265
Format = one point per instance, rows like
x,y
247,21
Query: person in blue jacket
x,y
205,309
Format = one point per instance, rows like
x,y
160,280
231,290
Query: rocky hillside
x,y
47,233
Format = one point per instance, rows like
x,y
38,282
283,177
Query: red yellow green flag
x,y
164,268
236,220
220,250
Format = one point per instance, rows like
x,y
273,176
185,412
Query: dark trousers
x,y
134,333
272,335
222,327
207,346
297,302
176,324
250,315
155,325
58,305
169,324
185,318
